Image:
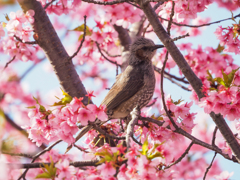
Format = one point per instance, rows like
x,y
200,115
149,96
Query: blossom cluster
x,y
229,37
61,123
184,9
17,26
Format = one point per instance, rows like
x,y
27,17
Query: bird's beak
x,y
156,47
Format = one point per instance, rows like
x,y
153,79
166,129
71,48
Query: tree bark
x,y
189,74
49,41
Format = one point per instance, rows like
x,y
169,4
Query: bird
x,y
134,86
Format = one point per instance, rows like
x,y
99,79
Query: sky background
x,y
42,81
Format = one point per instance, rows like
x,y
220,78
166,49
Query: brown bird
x,y
135,86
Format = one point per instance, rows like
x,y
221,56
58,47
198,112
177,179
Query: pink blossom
x,y
29,15
84,116
232,112
106,169
64,170
99,111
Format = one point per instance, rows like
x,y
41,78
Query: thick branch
x,y
189,74
49,41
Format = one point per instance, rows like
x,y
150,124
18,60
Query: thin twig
x,y
197,26
159,70
9,62
48,4
81,149
37,156
192,138
171,18
163,97
18,154
181,157
134,5
104,133
136,141
214,135
111,61
80,46
179,37
25,42
208,168
110,55
106,2
41,164
166,75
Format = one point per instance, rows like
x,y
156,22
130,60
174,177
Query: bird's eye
x,y
144,48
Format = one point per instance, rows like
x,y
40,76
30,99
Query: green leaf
x,y
41,108
81,29
232,16
145,147
49,171
220,48
177,102
231,75
159,118
31,107
220,81
225,78
65,100
44,175
154,155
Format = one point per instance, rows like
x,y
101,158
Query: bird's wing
x,y
127,84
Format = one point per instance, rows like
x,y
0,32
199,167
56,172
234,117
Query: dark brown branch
x,y
48,4
25,42
136,141
182,156
9,62
109,60
170,75
134,5
40,165
110,55
104,133
37,156
192,138
171,18
80,46
179,37
81,149
208,168
18,154
214,135
106,2
190,75
197,26
54,50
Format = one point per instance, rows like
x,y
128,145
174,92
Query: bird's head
x,y
144,49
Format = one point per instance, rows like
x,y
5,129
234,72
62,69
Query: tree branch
x,y
189,74
49,41
131,124
197,26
